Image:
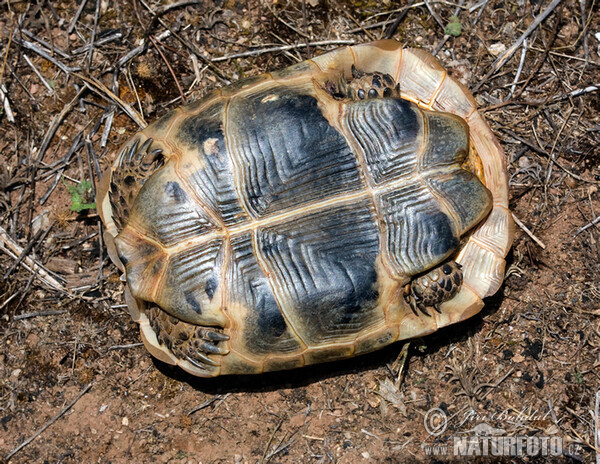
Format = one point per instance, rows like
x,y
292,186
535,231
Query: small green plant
x,y
80,194
578,378
454,27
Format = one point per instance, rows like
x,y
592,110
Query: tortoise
x,y
309,214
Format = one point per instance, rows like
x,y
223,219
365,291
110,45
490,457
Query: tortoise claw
x,y
211,348
209,334
200,360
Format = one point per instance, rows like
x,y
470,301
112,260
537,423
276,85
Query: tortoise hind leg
x,y
433,288
187,342
364,85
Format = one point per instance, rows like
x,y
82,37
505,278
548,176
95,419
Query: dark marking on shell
x,y
211,286
174,191
189,297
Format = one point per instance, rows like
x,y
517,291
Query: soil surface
x,y
76,385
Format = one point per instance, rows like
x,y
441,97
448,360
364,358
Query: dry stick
x,y
552,150
587,226
8,300
27,249
481,6
44,53
584,23
6,104
519,69
125,347
38,74
186,43
528,232
93,39
13,249
502,59
597,427
139,50
577,93
49,423
206,403
107,126
55,123
76,17
50,312
355,21
104,40
542,151
165,9
434,15
51,47
283,48
98,87
392,29
285,23
60,169
10,35
94,171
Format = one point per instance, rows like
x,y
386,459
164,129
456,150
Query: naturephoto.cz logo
x,y
485,440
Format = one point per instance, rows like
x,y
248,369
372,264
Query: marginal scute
x,y
496,233
420,75
483,271
492,157
455,98
145,259
384,57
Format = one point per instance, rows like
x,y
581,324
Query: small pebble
x,y
497,48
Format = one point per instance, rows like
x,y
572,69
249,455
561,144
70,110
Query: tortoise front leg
x,y
188,342
433,288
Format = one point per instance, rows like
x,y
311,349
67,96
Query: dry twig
x,y
11,248
508,53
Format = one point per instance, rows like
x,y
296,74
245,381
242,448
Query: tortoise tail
x,y
136,163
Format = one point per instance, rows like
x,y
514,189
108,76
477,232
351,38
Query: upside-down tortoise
x,y
309,214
